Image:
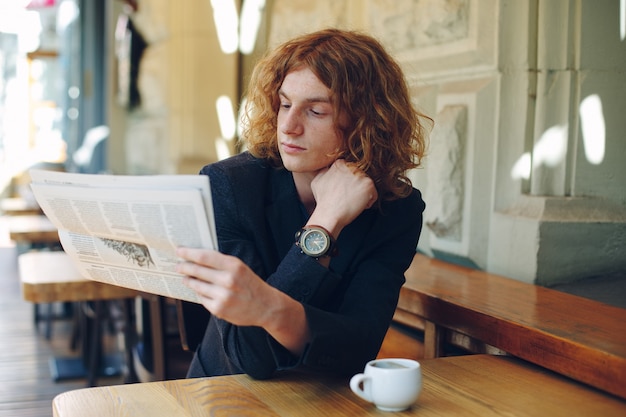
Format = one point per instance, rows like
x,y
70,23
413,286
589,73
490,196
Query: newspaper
x,y
123,230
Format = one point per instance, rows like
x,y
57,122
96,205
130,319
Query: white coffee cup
x,y
391,384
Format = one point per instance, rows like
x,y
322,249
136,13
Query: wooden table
x,y
31,229
474,385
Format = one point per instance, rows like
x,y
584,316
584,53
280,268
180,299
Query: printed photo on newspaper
x,y
124,229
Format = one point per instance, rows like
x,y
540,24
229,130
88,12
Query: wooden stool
x,y
49,277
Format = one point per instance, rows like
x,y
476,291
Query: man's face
x,y
307,136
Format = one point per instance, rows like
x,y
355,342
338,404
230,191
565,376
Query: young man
x,y
316,221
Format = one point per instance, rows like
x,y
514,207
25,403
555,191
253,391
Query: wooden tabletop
x,y
474,385
36,228
48,277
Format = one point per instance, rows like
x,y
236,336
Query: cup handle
x,y
356,385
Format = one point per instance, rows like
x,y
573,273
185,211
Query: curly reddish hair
x,y
383,132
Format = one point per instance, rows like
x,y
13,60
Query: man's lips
x,y
291,148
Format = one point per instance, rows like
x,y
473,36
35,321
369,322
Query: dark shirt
x,y
348,306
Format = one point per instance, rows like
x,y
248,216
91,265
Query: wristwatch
x,y
315,241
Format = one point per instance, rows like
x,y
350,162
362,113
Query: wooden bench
x,y
574,336
16,206
49,277
34,228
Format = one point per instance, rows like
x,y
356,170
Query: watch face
x,y
315,242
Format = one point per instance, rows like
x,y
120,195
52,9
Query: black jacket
x,y
348,306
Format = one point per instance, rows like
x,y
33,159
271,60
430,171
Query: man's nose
x,y
291,123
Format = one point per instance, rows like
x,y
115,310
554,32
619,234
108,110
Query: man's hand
x,y
341,192
230,290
